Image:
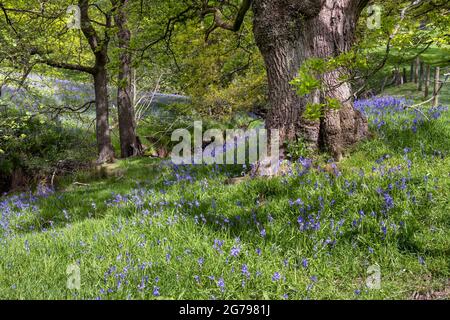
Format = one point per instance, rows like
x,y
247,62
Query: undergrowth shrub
x,y
33,147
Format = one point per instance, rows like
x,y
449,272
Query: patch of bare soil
x,y
443,294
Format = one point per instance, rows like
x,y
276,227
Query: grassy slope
x,y
409,90
433,56
149,244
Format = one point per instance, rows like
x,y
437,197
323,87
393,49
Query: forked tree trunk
x,y
127,125
287,33
99,48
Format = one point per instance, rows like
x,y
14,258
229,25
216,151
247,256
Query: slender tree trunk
x,y
289,32
405,77
416,70
421,76
127,125
398,77
383,85
411,72
437,75
134,86
427,81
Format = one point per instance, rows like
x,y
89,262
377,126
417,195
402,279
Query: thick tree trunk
x,y
289,33
105,149
127,125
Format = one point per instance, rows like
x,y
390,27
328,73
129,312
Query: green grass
x,y
155,238
434,56
409,90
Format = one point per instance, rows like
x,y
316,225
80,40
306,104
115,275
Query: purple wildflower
x,y
235,251
276,276
221,284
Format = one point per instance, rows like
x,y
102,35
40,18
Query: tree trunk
x,y
99,48
421,76
287,35
398,77
127,125
405,77
411,72
383,85
416,70
105,149
427,81
436,86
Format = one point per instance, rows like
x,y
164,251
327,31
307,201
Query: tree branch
x,y
8,20
170,25
67,66
219,19
86,26
220,22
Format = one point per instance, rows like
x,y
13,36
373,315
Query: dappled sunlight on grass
x,y
150,229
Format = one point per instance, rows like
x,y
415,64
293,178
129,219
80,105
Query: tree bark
x,y
421,76
383,85
127,125
416,70
398,77
99,48
411,72
105,149
436,86
288,32
427,81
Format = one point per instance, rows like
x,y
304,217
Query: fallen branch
x,y
415,106
447,75
81,184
